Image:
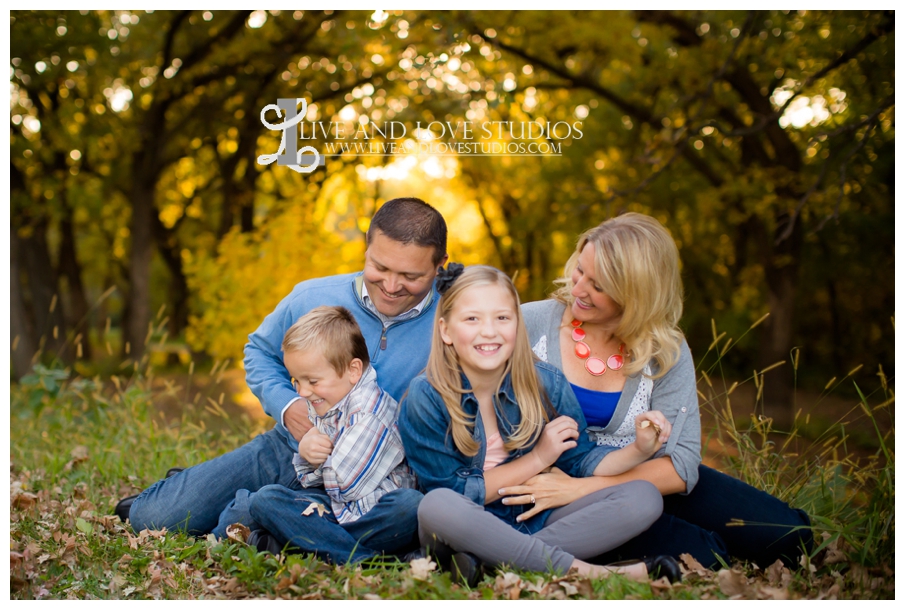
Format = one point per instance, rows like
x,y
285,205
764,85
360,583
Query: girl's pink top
x,y
495,453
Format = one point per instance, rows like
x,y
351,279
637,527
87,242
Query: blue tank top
x,y
598,407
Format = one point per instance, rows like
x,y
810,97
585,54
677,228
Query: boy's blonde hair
x,y
636,263
445,374
333,331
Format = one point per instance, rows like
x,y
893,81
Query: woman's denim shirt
x,y
424,425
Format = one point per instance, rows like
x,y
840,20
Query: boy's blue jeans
x,y
388,528
697,524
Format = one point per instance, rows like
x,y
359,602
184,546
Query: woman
x,y
612,327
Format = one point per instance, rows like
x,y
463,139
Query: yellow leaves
x,y
249,274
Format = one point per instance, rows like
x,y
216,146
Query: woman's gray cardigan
x,y
674,394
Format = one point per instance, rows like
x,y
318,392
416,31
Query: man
x,y
393,302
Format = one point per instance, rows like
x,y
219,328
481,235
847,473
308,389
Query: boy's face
x,y
316,380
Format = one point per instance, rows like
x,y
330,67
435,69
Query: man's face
x,y
398,276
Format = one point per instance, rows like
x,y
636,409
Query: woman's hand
x,y
546,490
652,429
558,437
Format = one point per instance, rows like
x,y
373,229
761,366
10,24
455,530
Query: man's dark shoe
x,y
125,505
264,542
466,568
663,565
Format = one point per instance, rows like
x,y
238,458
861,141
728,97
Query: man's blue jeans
x,y
193,499
390,527
698,524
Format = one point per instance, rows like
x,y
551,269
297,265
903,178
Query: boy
x,y
357,497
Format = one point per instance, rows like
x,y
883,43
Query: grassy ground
x,y
78,445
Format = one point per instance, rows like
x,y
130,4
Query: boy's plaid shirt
x,y
367,458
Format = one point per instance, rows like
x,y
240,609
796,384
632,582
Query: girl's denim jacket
x,y
424,425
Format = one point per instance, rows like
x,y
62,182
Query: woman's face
x,y
591,304
482,328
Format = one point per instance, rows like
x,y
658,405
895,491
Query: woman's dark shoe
x,y
466,568
663,565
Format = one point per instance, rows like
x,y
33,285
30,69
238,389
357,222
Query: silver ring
x,y
533,501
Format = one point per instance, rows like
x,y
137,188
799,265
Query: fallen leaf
x,y
537,587
733,582
773,593
314,506
508,584
694,566
774,572
831,593
79,454
25,500
237,532
422,567
834,554
661,583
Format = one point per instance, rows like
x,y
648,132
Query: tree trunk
x,y
140,266
72,271
781,262
23,343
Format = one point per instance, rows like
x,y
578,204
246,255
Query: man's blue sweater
x,y
406,344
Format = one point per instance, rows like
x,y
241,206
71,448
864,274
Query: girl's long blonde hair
x,y
444,372
636,263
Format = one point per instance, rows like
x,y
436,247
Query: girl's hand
x,y
315,447
558,437
652,429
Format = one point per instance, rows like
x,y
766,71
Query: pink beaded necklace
x,y
594,365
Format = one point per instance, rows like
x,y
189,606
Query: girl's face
x,y
591,303
482,328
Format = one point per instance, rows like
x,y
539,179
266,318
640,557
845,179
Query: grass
x,y
97,440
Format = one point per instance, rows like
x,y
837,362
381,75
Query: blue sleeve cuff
x,y
474,485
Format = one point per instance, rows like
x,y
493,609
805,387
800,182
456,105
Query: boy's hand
x,y
315,447
558,436
651,430
296,420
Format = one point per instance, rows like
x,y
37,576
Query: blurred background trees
x,y
763,140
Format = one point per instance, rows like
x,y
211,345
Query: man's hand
x,y
315,447
296,420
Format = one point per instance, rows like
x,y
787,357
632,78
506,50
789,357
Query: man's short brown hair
x,y
409,220
332,330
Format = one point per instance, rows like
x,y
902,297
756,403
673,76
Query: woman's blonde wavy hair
x,y
444,372
636,263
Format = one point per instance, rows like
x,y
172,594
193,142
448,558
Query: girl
x,y
485,416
